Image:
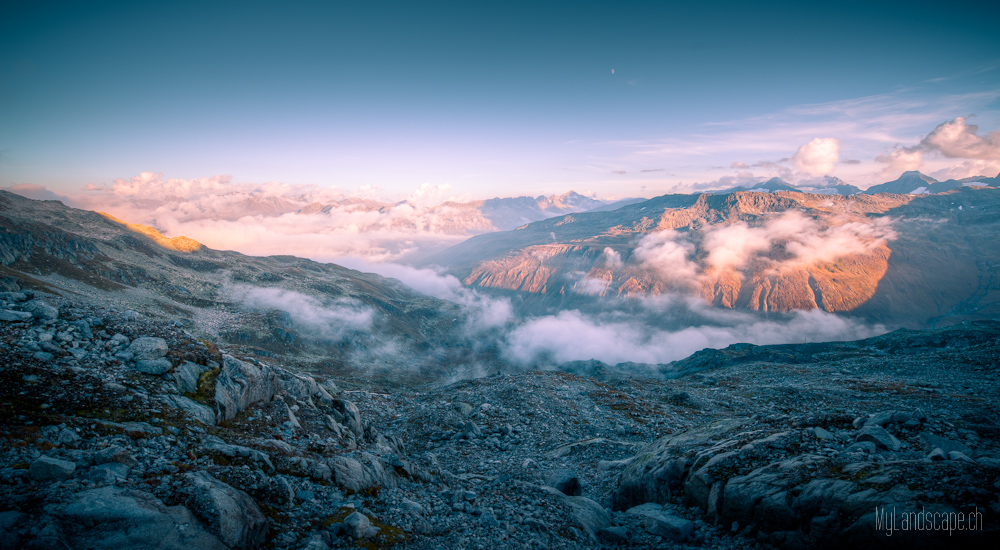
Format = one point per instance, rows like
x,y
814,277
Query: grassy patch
x,y
206,387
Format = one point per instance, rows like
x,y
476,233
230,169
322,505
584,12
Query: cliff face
x,y
902,259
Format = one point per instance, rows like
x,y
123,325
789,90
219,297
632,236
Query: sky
x,y
484,99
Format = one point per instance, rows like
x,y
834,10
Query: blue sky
x,y
493,98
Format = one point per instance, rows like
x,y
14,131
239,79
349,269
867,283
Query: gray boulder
x,y
358,525
69,438
41,310
46,468
240,385
358,475
658,471
147,348
186,377
110,518
192,408
153,366
588,515
347,414
13,316
14,296
226,512
879,437
661,524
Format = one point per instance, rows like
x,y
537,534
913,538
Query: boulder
x,y
347,414
358,526
153,366
192,408
186,377
46,468
661,524
657,472
588,515
240,385
879,437
226,512
41,310
357,475
110,518
14,296
69,438
14,316
147,348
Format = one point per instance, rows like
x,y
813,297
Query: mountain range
x,y
909,182
161,394
901,259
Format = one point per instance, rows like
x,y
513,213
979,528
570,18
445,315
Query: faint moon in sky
x,y
612,71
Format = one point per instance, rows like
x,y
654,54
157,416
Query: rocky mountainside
x,y
902,260
917,183
122,431
909,182
323,316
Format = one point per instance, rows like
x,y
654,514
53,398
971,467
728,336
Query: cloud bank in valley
x,y
332,320
682,258
275,218
674,325
612,339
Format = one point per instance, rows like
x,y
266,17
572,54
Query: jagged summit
x,y
895,266
772,185
909,182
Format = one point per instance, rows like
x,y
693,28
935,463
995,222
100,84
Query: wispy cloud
x,y
862,129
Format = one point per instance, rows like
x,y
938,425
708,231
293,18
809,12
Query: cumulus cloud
x,y
612,258
817,157
958,139
668,254
955,138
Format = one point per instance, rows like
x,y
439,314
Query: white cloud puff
x,y
668,254
804,240
817,157
958,139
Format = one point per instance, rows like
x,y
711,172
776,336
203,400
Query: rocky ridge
x,y
914,260
121,430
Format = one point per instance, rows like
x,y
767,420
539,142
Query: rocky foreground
x,y
123,431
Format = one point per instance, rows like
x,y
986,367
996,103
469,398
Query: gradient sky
x,y
489,98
